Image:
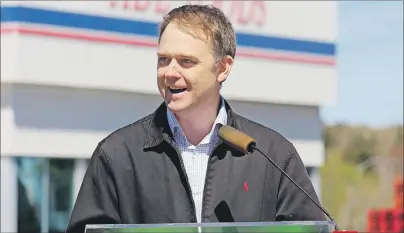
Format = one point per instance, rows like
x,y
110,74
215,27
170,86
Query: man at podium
x,y
171,166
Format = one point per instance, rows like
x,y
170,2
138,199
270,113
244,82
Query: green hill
x,y
358,174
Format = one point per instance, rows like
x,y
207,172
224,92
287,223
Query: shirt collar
x,y
178,134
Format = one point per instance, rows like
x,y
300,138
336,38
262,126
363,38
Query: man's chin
x,y
176,107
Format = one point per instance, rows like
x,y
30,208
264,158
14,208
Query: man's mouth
x,y
176,90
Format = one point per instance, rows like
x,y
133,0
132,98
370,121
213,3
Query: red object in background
x,y
389,220
386,220
398,218
398,193
373,221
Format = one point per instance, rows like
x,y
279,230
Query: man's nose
x,y
172,70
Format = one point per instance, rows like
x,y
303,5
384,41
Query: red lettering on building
x,y
112,4
258,12
162,8
141,5
217,4
247,12
126,5
239,12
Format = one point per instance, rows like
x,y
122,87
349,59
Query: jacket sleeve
x,y
97,201
292,203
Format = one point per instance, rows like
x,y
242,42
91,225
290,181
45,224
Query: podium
x,y
243,227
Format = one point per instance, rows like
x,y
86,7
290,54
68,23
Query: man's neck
x,y
198,123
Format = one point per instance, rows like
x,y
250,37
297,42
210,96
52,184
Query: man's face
x,y
185,75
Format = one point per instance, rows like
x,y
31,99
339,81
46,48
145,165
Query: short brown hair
x,y
204,22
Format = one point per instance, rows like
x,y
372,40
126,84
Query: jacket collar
x,y
158,129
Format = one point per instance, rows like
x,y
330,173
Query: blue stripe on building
x,y
145,28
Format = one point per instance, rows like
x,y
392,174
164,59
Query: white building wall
x,y
295,67
7,118
89,65
67,122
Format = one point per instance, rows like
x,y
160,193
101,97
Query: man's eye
x,y
162,59
187,61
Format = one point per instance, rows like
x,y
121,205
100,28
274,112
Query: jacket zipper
x,y
186,178
204,200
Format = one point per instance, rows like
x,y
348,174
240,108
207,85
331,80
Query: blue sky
x,y
370,64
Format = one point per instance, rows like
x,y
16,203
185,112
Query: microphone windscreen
x,y
237,139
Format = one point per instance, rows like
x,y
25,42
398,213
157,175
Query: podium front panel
x,y
256,227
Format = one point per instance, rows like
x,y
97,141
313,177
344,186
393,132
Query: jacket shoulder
x,y
132,134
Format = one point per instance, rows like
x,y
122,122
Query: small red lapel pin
x,y
246,186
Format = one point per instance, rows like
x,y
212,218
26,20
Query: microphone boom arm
x,y
247,145
254,147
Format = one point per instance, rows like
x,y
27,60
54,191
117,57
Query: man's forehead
x,y
194,31
180,35
175,42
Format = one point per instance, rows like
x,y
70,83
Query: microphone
x,y
247,145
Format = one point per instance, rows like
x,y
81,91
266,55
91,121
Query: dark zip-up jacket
x,y
136,175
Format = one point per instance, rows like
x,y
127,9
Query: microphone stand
x,y
253,147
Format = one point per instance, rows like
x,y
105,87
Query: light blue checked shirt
x,y
196,157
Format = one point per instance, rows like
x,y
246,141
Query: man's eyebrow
x,y
177,55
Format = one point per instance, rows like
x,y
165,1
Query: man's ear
x,y
224,68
